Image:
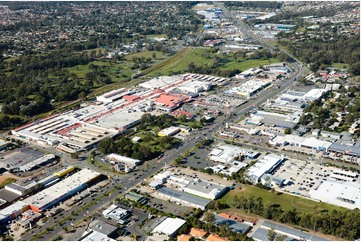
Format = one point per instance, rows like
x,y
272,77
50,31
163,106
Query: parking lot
x,y
18,157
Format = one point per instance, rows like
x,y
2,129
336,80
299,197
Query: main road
x,y
154,166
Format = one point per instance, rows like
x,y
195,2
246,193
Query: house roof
x,y
183,237
197,232
215,237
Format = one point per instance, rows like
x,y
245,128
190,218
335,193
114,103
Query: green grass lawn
x,y
197,56
340,65
181,64
286,201
247,64
145,54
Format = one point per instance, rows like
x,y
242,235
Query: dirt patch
x,y
4,179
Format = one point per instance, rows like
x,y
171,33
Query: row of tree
x,y
344,224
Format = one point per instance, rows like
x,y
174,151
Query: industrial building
x,y
208,190
169,226
263,166
183,198
61,190
290,232
234,225
344,194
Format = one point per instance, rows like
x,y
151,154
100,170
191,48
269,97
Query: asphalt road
x,y
129,180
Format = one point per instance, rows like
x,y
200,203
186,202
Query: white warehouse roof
x,y
345,194
264,165
225,153
19,205
169,226
61,188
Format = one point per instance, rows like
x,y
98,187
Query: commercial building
x,y
274,119
183,198
263,166
13,211
225,153
314,94
170,131
112,95
61,190
123,159
195,86
117,214
297,141
205,189
132,196
38,162
168,102
353,150
3,144
344,194
102,227
251,87
169,226
95,236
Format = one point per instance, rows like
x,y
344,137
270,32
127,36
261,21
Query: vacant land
x,y
6,179
340,65
145,54
287,202
203,56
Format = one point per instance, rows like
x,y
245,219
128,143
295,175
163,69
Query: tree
x,y
74,155
287,131
209,217
271,235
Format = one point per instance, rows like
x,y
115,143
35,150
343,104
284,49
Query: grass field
x,y
340,65
198,57
287,202
145,54
247,64
111,69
